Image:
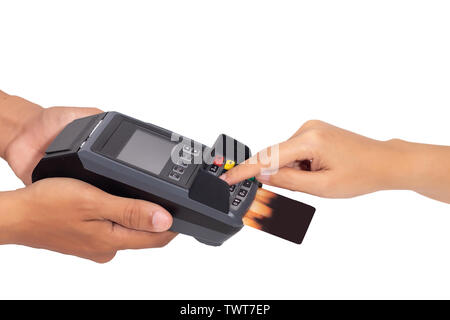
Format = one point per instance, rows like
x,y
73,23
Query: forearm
x,y
422,168
15,112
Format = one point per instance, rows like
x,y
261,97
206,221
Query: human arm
x,y
26,130
343,164
66,215
75,218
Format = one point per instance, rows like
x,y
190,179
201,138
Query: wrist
x,y
407,165
15,114
11,216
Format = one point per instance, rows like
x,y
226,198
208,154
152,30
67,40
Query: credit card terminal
x,y
130,158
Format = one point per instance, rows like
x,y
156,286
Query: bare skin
x,y
66,215
344,164
73,217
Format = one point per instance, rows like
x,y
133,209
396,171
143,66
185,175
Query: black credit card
x,y
280,216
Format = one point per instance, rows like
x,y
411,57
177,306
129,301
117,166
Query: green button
x,y
252,179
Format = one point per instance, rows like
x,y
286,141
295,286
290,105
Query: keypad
x,y
182,164
236,202
242,193
175,176
247,183
178,169
239,191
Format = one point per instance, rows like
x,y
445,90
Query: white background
x,y
255,70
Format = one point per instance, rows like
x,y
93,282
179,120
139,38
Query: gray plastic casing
x,y
99,164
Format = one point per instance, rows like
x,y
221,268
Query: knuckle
x,y
316,135
131,214
64,115
312,124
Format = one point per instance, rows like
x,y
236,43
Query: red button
x,y
218,161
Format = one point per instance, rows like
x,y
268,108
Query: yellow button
x,y
229,164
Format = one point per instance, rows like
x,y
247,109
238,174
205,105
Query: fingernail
x,y
161,221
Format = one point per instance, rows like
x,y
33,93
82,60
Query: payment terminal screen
x,y
147,151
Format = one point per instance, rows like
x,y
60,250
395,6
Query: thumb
x,y
137,214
